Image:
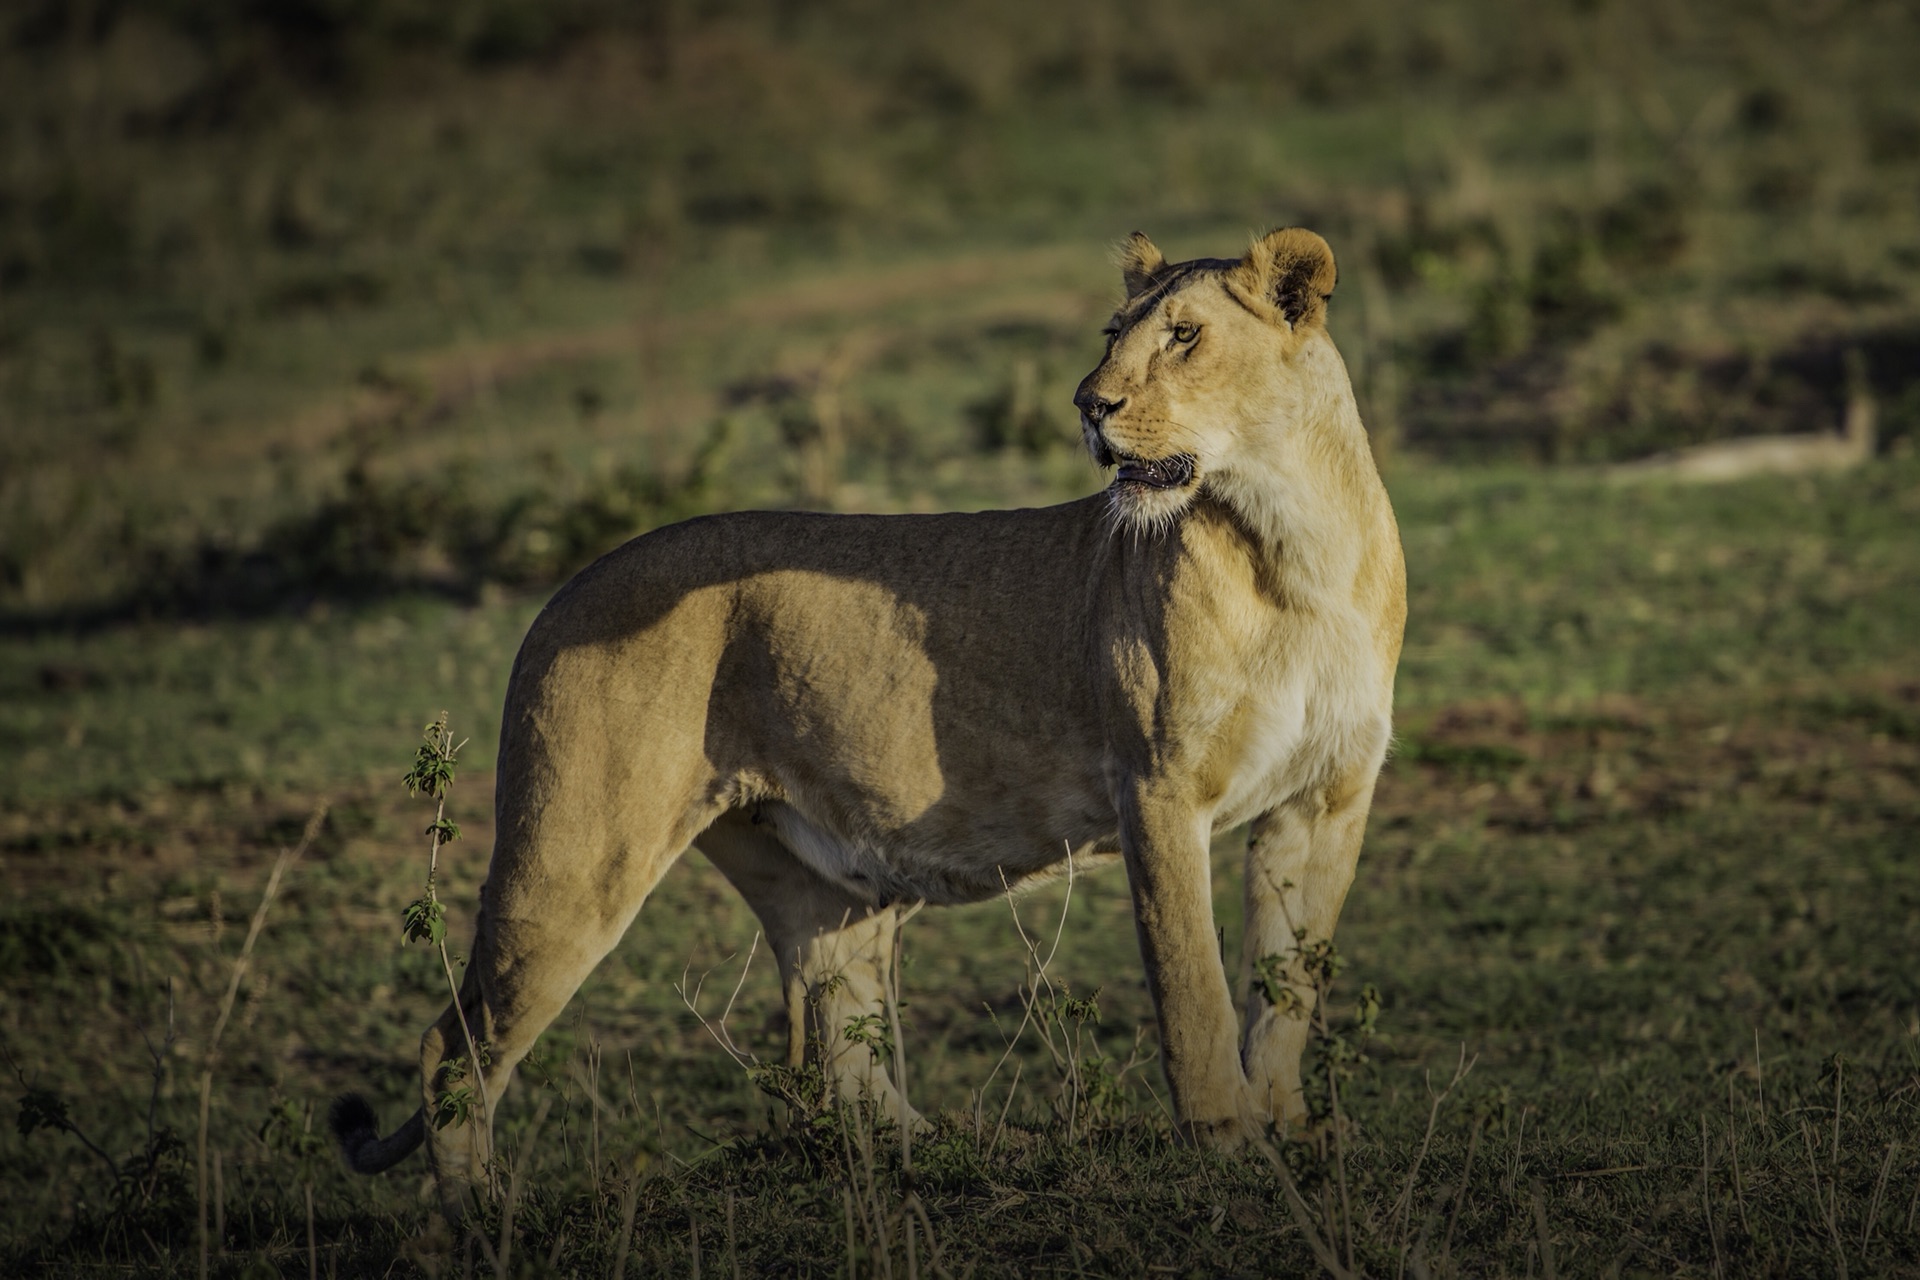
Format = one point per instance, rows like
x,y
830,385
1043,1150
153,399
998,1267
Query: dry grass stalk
x,y
241,963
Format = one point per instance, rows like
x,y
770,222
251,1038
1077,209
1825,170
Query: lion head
x,y
1205,370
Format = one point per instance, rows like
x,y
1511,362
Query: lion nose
x,y
1095,407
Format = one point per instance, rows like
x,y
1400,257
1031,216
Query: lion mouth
x,y
1175,472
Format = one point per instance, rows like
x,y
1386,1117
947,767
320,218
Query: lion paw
x,y
1229,1134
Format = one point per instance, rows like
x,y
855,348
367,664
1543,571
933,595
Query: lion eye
x,y
1185,332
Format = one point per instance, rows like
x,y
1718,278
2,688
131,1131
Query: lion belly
x,y
986,866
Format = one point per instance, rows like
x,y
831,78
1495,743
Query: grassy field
x,y
333,337
291,301
1645,856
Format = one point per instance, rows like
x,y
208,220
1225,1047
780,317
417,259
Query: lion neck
x,y
1309,496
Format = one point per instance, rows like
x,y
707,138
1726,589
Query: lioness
x,y
853,714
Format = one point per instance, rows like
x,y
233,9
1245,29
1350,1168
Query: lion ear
x,y
1291,272
1140,260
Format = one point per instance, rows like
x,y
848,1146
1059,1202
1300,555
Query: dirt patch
x,y
1523,770
187,835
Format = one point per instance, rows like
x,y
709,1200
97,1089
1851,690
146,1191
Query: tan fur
x,y
853,714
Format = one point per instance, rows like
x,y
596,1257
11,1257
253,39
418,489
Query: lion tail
x,y
357,1130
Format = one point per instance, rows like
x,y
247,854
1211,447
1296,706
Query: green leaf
x,y
454,1106
425,920
1270,973
289,1128
1079,1008
871,1030
42,1109
433,762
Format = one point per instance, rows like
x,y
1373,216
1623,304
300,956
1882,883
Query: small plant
x,y
1339,1220
1336,1051
425,920
289,1131
456,1100
1092,1083
803,1089
154,1175
871,1030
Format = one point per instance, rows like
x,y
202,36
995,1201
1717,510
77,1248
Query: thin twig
x,y
1322,996
1706,1197
1879,1189
592,1088
159,1057
313,1245
1460,1195
449,750
1006,890
721,1036
927,1226
521,1164
846,1207
240,964
890,994
1402,1212
629,1205
1733,1150
1824,1203
1004,1108
1323,1249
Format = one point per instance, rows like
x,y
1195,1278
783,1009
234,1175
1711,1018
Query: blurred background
x,y
341,295
335,333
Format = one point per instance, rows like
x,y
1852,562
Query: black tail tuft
x,y
357,1130
351,1118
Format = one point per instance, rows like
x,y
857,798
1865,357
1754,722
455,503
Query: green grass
x,y
1572,235
327,350
1549,588
1645,856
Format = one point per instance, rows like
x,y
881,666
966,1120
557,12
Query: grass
x,y
1648,865
326,350
234,276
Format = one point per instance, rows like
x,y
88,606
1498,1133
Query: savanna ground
x,y
332,338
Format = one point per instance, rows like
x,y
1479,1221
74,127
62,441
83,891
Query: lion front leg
x,y
1300,864
1170,875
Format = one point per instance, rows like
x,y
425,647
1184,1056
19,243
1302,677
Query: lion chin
x,y
852,716
1148,495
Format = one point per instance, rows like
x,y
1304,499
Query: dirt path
x,y
977,288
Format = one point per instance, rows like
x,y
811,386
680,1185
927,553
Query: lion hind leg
x,y
551,910
836,956
846,970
